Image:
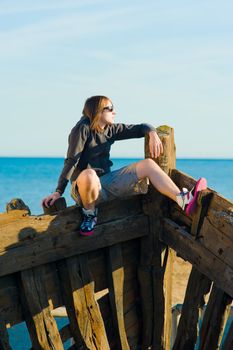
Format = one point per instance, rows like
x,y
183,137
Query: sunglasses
x,y
108,108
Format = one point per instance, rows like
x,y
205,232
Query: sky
x,y
160,62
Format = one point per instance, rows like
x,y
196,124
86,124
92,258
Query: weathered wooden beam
x,y
4,338
43,328
155,272
86,322
198,286
216,233
228,341
147,305
116,285
69,300
216,241
17,227
56,238
220,210
167,162
10,305
194,252
221,214
214,319
97,324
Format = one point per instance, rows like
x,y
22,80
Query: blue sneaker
x,y
89,220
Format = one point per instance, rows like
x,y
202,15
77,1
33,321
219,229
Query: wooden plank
x,y
168,287
203,202
86,323
4,338
97,325
12,216
150,279
10,305
192,251
213,321
198,286
64,241
133,327
147,305
221,209
152,302
116,282
69,300
228,342
21,231
217,242
220,215
167,162
46,334
155,281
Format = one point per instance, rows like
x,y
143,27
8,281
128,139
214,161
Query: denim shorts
x,y
119,183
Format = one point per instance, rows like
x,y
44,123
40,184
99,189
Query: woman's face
x,y
108,115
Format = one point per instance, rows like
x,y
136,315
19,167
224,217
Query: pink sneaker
x,y
200,186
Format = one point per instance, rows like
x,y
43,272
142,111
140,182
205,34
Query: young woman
x,y
88,165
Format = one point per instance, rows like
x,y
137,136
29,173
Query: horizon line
x,y
117,157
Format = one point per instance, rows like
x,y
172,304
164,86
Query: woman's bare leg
x,y
159,179
88,187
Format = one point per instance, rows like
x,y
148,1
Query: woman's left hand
x,y
155,145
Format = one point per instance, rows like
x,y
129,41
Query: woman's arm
x,y
123,131
77,140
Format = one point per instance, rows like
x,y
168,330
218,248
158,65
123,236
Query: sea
x,y
32,179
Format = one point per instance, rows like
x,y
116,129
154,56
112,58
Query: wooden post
x,y
198,286
86,323
155,275
116,284
228,342
41,324
4,338
214,319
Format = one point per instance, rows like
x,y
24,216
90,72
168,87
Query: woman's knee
x,y
88,177
148,162
145,166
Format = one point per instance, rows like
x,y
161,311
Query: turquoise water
x,y
31,179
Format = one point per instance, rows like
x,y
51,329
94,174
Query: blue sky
x,y
161,62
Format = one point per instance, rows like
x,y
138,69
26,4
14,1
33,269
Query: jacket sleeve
x,y
123,131
76,141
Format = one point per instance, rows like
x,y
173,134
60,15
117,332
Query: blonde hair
x,y
93,108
